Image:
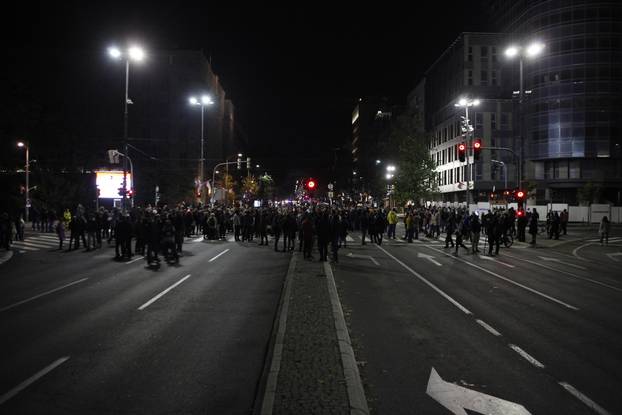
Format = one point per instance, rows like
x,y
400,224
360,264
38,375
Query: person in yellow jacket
x,y
392,220
66,217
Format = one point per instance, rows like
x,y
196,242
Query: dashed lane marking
x,y
587,401
488,327
32,379
42,294
526,356
160,295
222,253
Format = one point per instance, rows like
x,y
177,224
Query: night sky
x,y
293,73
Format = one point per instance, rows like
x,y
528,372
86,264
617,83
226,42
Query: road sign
x,y
28,203
429,258
330,186
330,194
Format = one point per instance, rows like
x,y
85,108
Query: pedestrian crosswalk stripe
x,y
31,244
41,241
28,248
42,236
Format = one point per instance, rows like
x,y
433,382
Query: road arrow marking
x,y
457,399
351,255
561,262
614,255
429,258
495,260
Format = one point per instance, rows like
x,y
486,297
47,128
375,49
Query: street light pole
x,y
125,117
203,102
27,192
466,103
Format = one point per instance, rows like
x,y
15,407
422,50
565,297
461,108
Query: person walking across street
x,y
533,226
60,232
476,228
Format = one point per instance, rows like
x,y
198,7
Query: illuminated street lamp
x,y
204,101
21,144
136,54
530,51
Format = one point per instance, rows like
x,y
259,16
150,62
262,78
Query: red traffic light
x,y
520,194
477,144
520,213
461,147
311,184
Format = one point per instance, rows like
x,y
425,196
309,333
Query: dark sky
x,y
293,72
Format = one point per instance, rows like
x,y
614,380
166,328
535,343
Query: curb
x,y
356,393
6,256
267,404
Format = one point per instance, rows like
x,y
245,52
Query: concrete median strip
x,y
356,393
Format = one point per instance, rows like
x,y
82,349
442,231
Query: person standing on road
x,y
533,226
603,229
392,220
60,232
450,227
460,232
493,231
307,237
563,221
476,228
381,225
323,235
364,223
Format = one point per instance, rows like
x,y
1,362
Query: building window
x,y
484,53
493,52
493,121
574,169
504,121
493,80
483,78
470,55
470,77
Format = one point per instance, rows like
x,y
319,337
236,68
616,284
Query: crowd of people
x,y
151,231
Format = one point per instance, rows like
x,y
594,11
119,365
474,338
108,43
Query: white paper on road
x,y
457,399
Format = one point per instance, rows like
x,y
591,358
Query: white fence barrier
x,y
578,213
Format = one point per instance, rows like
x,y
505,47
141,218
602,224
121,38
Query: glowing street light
x,y
203,102
137,54
21,144
391,168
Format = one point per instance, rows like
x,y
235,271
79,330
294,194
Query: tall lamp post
x,y
468,129
21,144
204,101
522,51
136,54
389,176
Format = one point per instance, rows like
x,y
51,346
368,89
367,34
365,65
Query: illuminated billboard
x,y
109,182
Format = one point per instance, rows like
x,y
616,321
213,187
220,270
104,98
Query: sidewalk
x,y
313,370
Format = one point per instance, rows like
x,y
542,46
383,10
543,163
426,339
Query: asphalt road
x,y
82,333
539,327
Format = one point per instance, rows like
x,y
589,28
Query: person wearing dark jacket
x,y
153,239
323,235
307,236
123,238
364,224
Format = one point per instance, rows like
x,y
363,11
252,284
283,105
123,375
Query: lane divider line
x,y
32,379
566,273
41,295
157,297
590,403
428,283
135,259
494,274
488,327
526,356
216,257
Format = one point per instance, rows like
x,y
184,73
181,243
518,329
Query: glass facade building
x,y
573,116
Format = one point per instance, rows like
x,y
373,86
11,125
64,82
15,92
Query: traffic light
x,y
239,163
520,199
462,152
121,191
248,163
310,185
477,147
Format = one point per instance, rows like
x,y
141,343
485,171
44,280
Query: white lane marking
x,y
135,259
351,255
526,356
22,252
575,252
157,297
488,327
590,403
8,255
42,294
27,248
616,239
496,260
428,283
223,252
544,258
429,258
32,244
32,379
614,255
43,237
349,238
566,273
458,398
199,239
494,274
398,240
